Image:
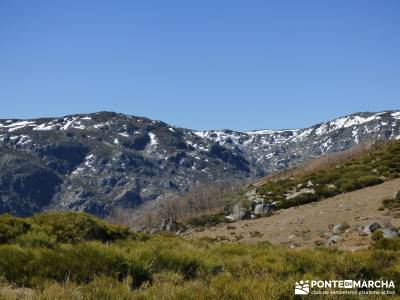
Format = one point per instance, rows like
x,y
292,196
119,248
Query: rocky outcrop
x,y
339,228
371,228
333,239
264,209
238,213
389,233
299,193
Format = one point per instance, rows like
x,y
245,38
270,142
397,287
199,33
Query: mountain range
x,y
101,161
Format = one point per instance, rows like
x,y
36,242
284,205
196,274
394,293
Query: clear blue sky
x,y
201,64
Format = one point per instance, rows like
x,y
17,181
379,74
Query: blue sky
x,y
201,64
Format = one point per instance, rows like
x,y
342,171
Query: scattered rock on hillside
x,y
339,228
333,240
238,213
251,194
370,228
301,192
389,233
264,209
256,202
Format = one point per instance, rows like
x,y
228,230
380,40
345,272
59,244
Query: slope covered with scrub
x,y
379,164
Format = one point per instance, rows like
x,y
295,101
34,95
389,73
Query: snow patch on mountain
x,y
153,139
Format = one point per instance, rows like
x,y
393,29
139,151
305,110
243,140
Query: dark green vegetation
x,y
392,204
207,220
54,227
380,164
76,256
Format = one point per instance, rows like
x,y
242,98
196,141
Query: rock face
x,y
96,162
238,213
389,233
264,209
371,228
333,240
299,193
339,228
26,185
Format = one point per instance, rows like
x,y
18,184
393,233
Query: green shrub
x,y
392,244
207,220
368,180
63,227
75,227
377,235
36,239
169,267
185,264
326,191
12,227
392,203
80,263
303,199
282,204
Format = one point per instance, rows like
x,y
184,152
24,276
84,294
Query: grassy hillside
x,y
378,165
76,256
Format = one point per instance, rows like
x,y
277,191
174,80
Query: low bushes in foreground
x,y
55,227
165,266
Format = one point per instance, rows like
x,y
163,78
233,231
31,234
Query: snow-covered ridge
x,y
13,126
85,121
258,142
320,129
336,135
349,121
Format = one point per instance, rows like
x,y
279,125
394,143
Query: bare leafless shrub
x,y
202,200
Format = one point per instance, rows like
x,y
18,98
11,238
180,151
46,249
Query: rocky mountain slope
x,y
95,162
